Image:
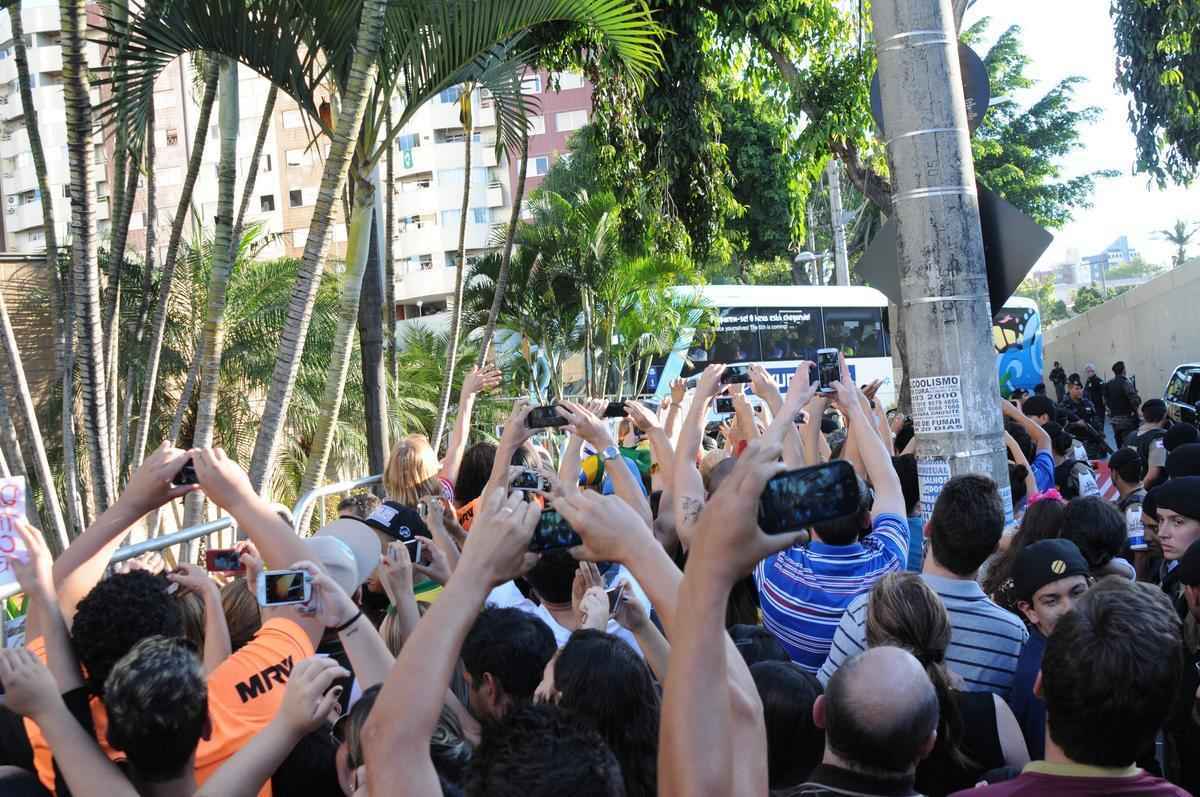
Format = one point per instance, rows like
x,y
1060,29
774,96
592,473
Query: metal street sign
x,y
976,90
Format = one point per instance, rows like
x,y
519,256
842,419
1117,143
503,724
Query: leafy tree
x,y
1158,66
1086,298
1040,288
1180,235
1018,150
1137,267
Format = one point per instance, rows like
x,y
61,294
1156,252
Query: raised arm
x,y
1041,438
306,704
476,380
585,424
31,691
396,736
660,443
814,452
217,644
44,618
368,653
889,497
82,565
631,614
1018,456
516,432
675,410
687,482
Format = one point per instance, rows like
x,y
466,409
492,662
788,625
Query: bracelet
x,y
339,629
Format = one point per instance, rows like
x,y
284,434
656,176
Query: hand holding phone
x,y
615,409
284,587
414,549
829,369
794,500
223,560
530,480
736,375
553,532
616,596
545,417
724,405
186,475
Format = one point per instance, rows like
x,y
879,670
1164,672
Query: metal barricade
x,y
300,510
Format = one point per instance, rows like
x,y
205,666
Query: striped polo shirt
x,y
985,640
804,590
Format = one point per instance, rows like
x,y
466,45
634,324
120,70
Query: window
x,y
266,203
454,177
36,236
480,216
454,135
295,198
539,166
537,125
299,237
532,85
569,80
264,164
292,120
98,154
66,190
172,137
408,141
164,99
789,333
857,332
451,94
298,157
451,218
29,197
1177,387
419,184
565,121
101,191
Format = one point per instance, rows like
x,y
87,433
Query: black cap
x,y
1180,434
1124,456
1045,562
1074,379
1150,503
398,521
1189,566
1180,495
1184,461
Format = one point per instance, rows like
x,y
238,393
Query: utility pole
x,y
946,314
841,260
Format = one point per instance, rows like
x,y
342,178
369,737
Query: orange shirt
x,y
244,694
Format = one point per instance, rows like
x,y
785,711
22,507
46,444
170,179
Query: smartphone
x,y
552,532
615,409
284,587
724,405
530,480
186,475
829,369
615,596
794,500
223,560
414,549
545,416
736,375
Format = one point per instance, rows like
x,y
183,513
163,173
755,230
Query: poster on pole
x,y
937,404
932,475
12,509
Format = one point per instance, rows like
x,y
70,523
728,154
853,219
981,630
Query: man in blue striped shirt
x,y
985,640
804,591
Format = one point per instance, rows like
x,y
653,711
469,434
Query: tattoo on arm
x,y
691,510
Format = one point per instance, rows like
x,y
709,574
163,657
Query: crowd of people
x,y
594,609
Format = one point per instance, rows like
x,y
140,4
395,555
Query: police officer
x,y
1076,408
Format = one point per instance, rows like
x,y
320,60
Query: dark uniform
x,y
1094,389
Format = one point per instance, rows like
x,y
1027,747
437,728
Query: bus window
x,y
737,337
856,332
789,333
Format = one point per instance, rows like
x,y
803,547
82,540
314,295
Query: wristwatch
x,y
610,453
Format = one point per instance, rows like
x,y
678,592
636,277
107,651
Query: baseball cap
x,y
1123,457
337,560
1074,379
1045,562
359,540
1184,461
1180,495
398,521
1189,566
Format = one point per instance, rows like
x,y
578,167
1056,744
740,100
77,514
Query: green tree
x,y
1179,236
1018,150
1158,66
1137,267
1090,296
1040,288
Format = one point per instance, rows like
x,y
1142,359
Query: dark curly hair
x,y
606,683
119,612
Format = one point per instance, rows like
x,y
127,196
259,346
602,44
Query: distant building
x,y
1116,253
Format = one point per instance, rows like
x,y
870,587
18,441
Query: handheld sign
x,y
12,509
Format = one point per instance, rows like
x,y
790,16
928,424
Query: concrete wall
x,y
1152,327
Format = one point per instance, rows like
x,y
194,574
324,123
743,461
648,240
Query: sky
x,y
1075,37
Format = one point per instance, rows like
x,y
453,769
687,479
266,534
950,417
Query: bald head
x,y
881,711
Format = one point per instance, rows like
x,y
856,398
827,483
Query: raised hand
x,y
678,391
710,382
329,603
223,480
630,613
642,418
478,380
192,578
435,566
497,548
29,688
33,567
801,392
308,699
250,559
584,423
150,486
593,609
396,572
587,575
611,529
765,388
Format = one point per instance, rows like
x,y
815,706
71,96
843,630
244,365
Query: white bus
x,y
777,326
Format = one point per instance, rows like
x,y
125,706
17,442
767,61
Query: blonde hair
x,y
191,614
242,614
411,471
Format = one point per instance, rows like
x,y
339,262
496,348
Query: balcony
x,y
423,158
451,155
495,195
415,284
415,241
23,217
445,115
478,237
45,59
15,142
415,203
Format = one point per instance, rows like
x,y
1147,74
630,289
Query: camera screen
x,y
553,531
541,417
225,561
828,368
528,480
286,586
795,500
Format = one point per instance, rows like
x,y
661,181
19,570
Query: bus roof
x,y
789,295
1021,301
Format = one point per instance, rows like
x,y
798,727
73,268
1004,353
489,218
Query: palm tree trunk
x,y
252,171
168,276
456,313
112,334
589,364
24,403
222,264
337,163
357,256
370,338
389,255
83,230
70,463
501,288
28,110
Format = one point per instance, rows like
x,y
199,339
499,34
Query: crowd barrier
x,y
214,526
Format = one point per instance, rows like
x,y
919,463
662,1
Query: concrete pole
x,y
841,260
946,314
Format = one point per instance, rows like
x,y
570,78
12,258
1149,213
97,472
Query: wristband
x,y
339,629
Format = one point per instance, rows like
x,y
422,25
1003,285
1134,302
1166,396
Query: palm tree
x,y
501,286
78,104
1180,236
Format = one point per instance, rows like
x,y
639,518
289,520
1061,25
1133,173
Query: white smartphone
x,y
414,549
284,587
829,368
616,596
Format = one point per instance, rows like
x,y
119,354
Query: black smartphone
x,y
615,409
186,475
795,500
829,370
530,480
736,375
223,560
545,416
553,532
724,405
